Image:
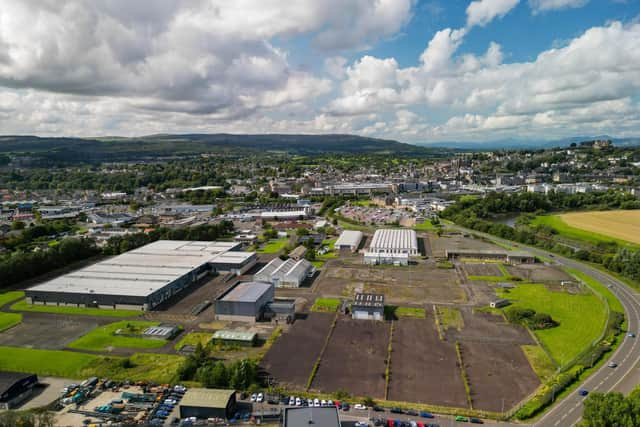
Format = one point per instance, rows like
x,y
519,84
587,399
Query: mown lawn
x,y
45,362
425,226
274,246
582,318
614,303
9,320
101,338
24,306
326,305
193,338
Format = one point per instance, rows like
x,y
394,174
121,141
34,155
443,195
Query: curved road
x,y
626,376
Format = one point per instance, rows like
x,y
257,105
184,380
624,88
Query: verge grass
x,y
539,360
193,338
24,306
582,318
103,337
9,320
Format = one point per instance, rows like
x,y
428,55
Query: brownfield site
x,y
292,356
423,368
355,359
539,273
481,269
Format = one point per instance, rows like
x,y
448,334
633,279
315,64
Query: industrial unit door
x,y
362,315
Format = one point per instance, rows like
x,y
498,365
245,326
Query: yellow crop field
x,y
623,225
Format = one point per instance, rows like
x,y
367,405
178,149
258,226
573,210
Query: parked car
x,y
260,398
254,397
323,403
475,420
411,412
462,419
425,414
316,402
378,408
292,401
345,406
298,401
583,392
359,406
397,411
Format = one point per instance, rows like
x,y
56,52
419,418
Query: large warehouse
x,y
391,241
142,278
285,274
245,302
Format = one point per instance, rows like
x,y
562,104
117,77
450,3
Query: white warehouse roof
x,y
392,240
349,238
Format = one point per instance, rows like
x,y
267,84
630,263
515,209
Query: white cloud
x,y
481,12
335,66
538,6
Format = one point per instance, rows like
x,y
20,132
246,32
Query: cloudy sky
x,y
412,70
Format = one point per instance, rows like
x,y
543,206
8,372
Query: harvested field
x,y
423,368
619,224
539,273
481,269
497,372
302,343
355,358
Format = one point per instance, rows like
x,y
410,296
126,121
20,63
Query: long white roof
x,y
394,239
142,271
349,238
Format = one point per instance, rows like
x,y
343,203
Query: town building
x,y
394,241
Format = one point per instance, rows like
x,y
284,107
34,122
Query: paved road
x,y
623,378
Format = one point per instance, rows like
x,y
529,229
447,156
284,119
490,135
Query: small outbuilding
x,y
499,303
15,388
206,403
368,306
243,338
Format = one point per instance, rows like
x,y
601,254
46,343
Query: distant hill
x,y
72,150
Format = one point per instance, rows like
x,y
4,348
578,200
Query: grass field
x,y
8,320
101,338
614,303
45,362
450,318
326,305
425,226
160,368
539,361
24,306
194,338
582,318
392,312
273,246
596,227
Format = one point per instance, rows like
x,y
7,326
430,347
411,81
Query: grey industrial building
x,y
245,301
349,240
208,403
15,388
142,278
512,257
368,306
287,274
311,416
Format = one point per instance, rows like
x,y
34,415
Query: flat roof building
x,y
379,258
206,403
142,278
349,240
391,241
513,257
308,416
226,336
245,301
368,306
